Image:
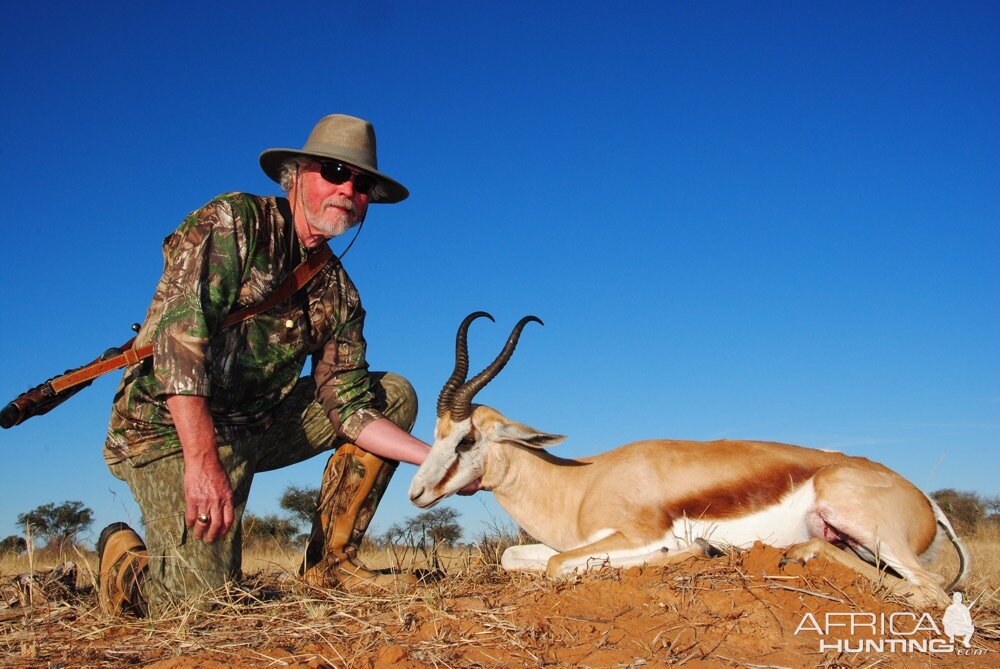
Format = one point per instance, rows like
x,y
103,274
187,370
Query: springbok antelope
x,y
658,502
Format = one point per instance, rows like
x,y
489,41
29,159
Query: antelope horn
x,y
461,407
457,377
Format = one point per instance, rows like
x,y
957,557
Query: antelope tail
x,y
963,554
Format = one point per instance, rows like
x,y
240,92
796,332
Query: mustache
x,y
344,203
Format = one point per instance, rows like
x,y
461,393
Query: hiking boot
x,y
123,561
353,484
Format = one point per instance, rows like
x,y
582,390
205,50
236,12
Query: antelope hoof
x,y
787,560
707,549
800,554
924,597
560,576
554,572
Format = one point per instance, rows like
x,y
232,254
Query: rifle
x,y
48,395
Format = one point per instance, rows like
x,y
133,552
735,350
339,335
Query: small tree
x,y
442,526
965,510
58,525
393,536
436,526
13,544
300,502
269,529
424,532
392,539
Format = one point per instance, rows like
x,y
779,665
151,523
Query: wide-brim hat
x,y
345,138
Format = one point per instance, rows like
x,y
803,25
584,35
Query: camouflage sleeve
x,y
199,287
343,385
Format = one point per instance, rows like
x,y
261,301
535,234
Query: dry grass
x,y
724,612
287,560
12,563
984,573
252,625
983,546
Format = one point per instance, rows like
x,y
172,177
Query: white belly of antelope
x,y
782,524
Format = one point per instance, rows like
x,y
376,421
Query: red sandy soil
x,y
738,610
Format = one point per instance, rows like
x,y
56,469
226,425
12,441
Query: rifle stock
x,y
42,398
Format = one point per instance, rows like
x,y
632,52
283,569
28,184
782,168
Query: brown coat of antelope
x,y
660,501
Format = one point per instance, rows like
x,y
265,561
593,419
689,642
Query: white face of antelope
x,y
456,459
463,430
460,452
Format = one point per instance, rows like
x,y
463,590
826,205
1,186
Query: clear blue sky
x,y
738,220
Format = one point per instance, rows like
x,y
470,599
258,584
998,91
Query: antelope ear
x,y
525,436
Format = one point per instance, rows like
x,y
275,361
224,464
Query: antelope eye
x,y
464,445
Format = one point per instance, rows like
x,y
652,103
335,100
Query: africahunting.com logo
x,y
899,632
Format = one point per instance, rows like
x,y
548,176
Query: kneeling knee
x,y
401,401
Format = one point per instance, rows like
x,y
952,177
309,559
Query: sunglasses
x,y
338,173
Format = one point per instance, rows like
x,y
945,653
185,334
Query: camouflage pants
x,y
183,570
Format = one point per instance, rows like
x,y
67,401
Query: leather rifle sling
x,y
299,277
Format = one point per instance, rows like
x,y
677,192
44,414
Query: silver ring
x,y
204,518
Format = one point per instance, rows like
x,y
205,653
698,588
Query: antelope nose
x,y
415,493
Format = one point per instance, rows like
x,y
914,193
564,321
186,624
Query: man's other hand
x,y
208,496
207,493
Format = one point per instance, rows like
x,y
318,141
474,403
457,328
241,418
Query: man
x,y
214,405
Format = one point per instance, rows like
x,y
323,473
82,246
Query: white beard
x,y
339,220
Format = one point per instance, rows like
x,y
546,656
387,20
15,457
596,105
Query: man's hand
x,y
207,491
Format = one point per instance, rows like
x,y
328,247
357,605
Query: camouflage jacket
x,y
229,255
